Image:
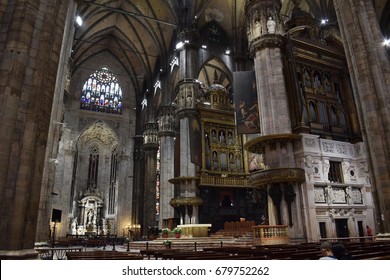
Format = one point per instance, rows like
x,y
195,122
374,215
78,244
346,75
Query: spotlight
x,y
179,45
324,21
79,21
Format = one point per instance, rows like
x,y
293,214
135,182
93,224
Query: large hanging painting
x,y
245,102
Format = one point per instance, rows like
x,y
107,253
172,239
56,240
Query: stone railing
x,y
268,235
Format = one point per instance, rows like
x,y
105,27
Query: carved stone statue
x,y
271,24
90,216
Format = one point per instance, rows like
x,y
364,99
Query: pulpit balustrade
x,y
268,235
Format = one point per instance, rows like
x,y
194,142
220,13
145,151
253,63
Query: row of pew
x,y
304,251
103,255
374,250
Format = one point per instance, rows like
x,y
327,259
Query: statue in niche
x,y
328,87
189,101
271,25
249,33
182,102
74,226
317,82
257,29
90,216
214,136
307,79
222,136
230,138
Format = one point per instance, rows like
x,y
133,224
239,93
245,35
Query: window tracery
x,y
102,93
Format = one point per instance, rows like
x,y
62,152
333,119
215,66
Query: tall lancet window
x,y
93,168
102,93
112,190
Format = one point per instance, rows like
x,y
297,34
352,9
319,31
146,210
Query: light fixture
x,y
227,51
204,46
179,45
386,42
324,21
79,21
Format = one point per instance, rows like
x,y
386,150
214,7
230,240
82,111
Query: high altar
x,y
194,230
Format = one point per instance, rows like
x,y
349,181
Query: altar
x,y
194,230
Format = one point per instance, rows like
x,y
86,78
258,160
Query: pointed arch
x,y
215,67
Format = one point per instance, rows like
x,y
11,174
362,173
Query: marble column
x,y
186,100
188,170
265,36
139,177
150,154
29,61
265,48
167,158
370,76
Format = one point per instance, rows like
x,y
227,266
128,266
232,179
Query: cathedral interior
x,y
141,115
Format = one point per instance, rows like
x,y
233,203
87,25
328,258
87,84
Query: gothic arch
x,y
215,68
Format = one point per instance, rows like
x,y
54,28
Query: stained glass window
x,y
102,93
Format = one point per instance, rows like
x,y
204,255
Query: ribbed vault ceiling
x,y
139,33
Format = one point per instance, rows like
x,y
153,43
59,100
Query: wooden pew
x,y
102,255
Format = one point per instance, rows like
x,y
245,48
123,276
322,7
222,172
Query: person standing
x,y
369,232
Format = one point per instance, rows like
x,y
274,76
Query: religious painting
x,y
246,103
195,141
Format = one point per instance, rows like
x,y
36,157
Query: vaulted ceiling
x,y
139,33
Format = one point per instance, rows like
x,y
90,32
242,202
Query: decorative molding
x,y
277,175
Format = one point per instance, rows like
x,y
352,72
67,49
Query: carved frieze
x,y
277,175
334,212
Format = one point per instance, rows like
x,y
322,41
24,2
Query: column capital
x,y
188,95
166,122
151,135
264,27
265,41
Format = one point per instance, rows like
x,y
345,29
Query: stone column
x,y
370,76
139,177
50,193
265,37
29,63
265,47
167,158
187,181
186,100
150,152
